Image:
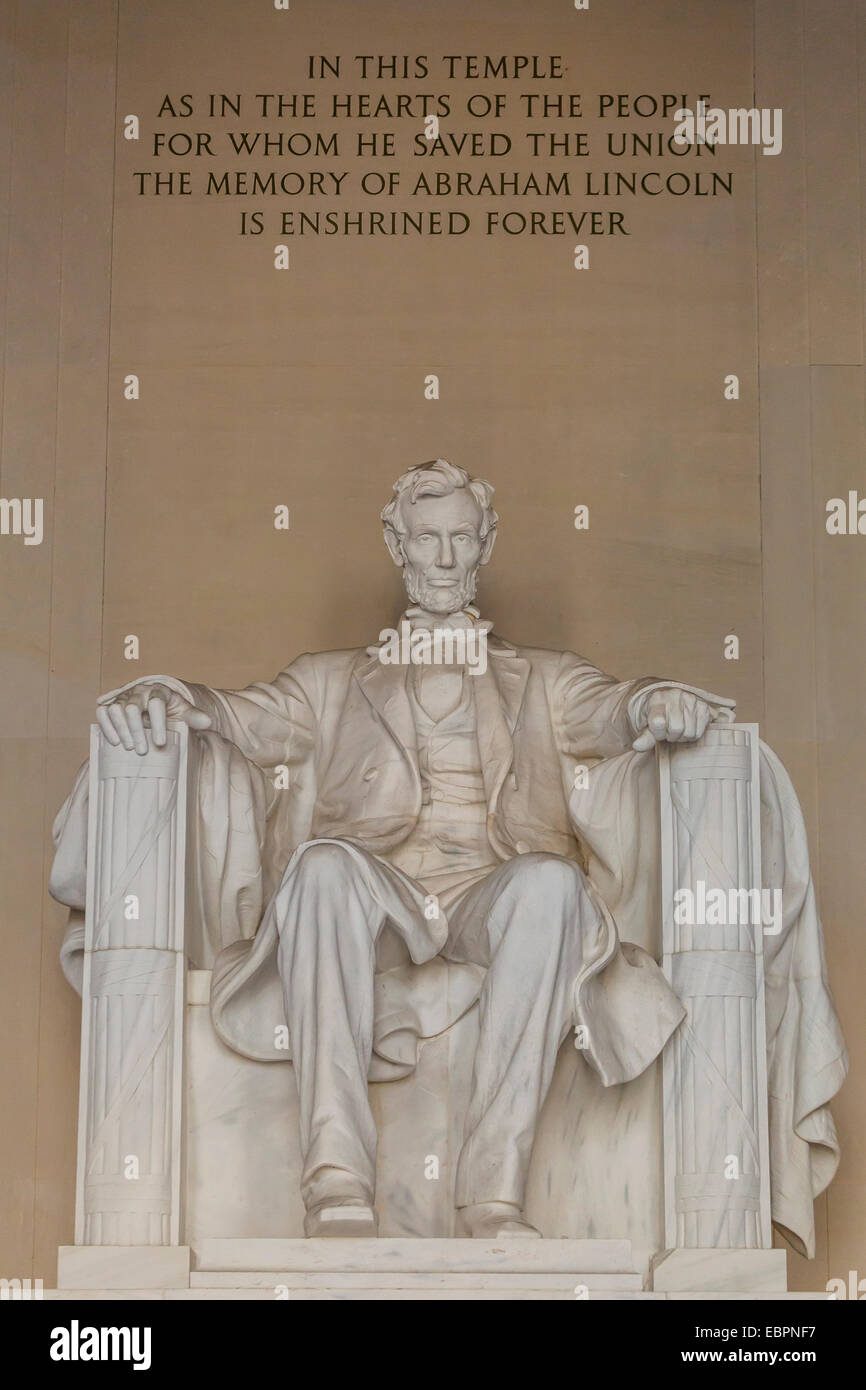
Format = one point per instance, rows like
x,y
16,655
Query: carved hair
x,y
437,479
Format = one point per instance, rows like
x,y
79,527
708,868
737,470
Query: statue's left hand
x,y
671,715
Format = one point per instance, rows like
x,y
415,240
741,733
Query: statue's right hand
x,y
120,717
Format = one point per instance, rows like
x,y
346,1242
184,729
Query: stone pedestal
x,y
721,1271
128,1267
426,1270
545,1268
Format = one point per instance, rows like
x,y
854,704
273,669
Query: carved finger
x,y
118,718
136,727
675,718
105,724
657,716
690,717
157,690
704,715
643,742
156,714
197,719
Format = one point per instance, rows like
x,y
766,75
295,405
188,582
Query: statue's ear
x,y
487,546
395,547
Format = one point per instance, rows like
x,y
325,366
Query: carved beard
x,y
434,600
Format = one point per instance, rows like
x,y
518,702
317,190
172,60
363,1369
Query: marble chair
x,y
188,1157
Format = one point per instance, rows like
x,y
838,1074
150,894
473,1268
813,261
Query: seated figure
x,y
408,815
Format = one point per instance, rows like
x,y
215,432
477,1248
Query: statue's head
x,y
439,527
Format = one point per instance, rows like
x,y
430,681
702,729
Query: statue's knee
x,y
545,892
546,878
326,865
320,893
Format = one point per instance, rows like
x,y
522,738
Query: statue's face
x,y
442,549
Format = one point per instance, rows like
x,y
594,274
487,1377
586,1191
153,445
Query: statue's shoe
x,y
490,1220
351,1219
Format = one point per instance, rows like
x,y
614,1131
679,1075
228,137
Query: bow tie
x,y
466,617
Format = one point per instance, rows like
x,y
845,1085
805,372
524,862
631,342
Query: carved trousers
x,y
531,922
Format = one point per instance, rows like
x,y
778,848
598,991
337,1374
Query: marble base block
x,y
720,1271
510,1254
123,1267
390,1268
340,1291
